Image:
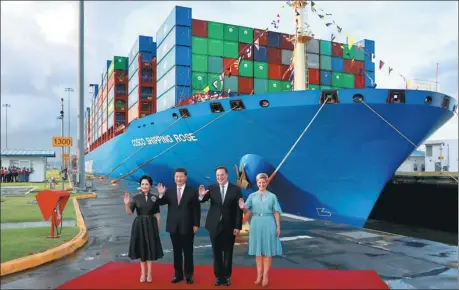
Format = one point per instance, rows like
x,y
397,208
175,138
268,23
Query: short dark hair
x,y
183,170
148,178
222,167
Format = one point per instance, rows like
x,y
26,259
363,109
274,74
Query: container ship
x,y
203,94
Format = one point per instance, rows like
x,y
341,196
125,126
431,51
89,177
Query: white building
x,y
414,162
442,155
35,159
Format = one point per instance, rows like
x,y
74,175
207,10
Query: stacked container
x,y
216,48
117,91
332,65
174,59
142,79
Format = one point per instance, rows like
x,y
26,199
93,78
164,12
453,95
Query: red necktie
x,y
179,195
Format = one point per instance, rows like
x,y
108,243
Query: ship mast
x,y
301,39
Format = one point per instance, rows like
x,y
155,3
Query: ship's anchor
x,y
242,181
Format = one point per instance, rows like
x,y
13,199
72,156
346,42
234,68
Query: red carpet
x,y
115,275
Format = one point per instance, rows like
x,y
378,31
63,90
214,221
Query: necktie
x,y
179,195
222,192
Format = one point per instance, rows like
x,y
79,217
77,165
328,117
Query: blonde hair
x,y
262,176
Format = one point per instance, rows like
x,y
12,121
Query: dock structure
x,y
426,177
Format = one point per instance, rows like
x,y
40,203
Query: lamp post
x,y
68,90
6,106
61,117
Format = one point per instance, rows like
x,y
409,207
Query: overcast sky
x,y
39,54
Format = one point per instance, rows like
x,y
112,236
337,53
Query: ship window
x,y
445,103
264,103
428,100
216,108
184,113
237,105
357,98
174,115
396,97
331,95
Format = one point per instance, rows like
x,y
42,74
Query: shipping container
x,y
199,28
370,79
313,61
246,68
111,107
109,62
118,63
260,70
199,45
262,36
230,49
286,86
246,51
179,35
211,78
231,83
342,80
245,34
146,93
177,76
337,64
325,78
260,86
172,97
353,66
229,65
313,87
120,105
275,71
313,76
133,97
133,112
325,87
133,68
337,49
313,46
142,44
215,47
111,94
133,83
285,42
110,121
104,127
287,56
274,55
179,55
261,54
215,30
231,32
274,39
274,86
180,16
369,62
214,64
245,85
359,81
199,80
325,47
199,63
325,62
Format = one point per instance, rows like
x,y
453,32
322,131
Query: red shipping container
x,y
274,55
353,66
337,50
285,43
274,71
242,51
313,76
285,76
199,28
263,39
133,112
245,85
231,62
359,82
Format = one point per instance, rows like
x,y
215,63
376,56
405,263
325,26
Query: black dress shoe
x,y
189,280
218,282
176,280
228,281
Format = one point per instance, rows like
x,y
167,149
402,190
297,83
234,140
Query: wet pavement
x,y
402,262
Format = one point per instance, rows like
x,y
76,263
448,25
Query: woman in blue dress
x,y
264,241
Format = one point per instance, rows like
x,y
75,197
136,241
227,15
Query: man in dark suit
x,y
183,220
224,221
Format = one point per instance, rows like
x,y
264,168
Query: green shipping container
x,y
246,68
211,78
325,62
215,47
199,45
215,30
120,62
199,63
214,64
359,53
313,87
231,32
348,53
230,49
119,105
274,86
199,80
325,47
286,86
342,80
260,70
231,83
245,34
326,87
260,86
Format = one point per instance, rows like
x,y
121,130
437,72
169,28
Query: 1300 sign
x,y
62,141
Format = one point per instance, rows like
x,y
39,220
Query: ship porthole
x,y
264,103
357,98
174,115
428,100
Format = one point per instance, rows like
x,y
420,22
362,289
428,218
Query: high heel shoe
x,y
265,282
258,281
149,279
142,278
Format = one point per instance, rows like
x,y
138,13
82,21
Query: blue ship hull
x,y
336,172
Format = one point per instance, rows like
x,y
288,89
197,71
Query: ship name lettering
x,y
159,140
187,137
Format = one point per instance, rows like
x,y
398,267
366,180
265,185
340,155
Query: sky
x,y
39,49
